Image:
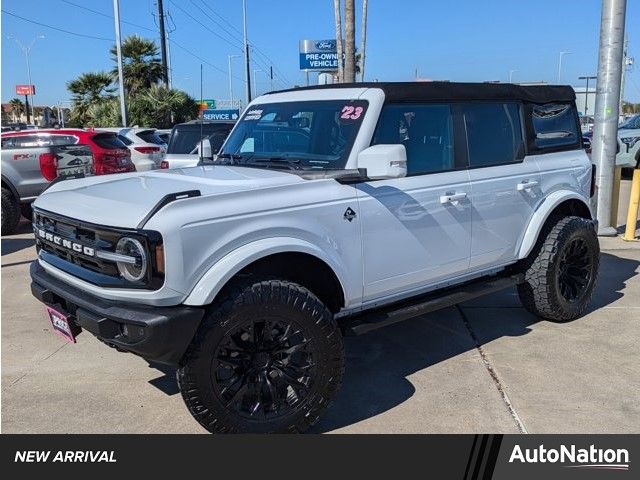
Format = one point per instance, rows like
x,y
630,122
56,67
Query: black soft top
x,y
397,92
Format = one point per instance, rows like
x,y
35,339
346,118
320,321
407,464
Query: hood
x,y
123,200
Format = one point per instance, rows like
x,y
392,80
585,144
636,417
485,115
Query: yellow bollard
x,y
615,200
634,200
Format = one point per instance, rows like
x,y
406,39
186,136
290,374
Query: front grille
x,y
72,245
77,233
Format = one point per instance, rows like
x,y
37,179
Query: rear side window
x,y
554,125
30,141
108,141
426,131
63,140
124,140
494,133
150,136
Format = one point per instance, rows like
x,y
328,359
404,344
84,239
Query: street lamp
x,y
255,82
231,57
27,51
511,72
586,92
562,54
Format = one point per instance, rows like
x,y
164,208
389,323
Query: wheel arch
x,y
290,258
561,203
6,183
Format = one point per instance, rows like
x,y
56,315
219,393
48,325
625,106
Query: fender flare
x,y
210,284
541,215
11,187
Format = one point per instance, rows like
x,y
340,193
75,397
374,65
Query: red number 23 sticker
x,y
351,113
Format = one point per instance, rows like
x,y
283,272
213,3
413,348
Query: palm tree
x,y
141,66
17,108
87,90
338,16
350,41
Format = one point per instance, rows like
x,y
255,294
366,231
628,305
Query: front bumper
x,y
160,334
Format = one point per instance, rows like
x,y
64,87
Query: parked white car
x,y
147,148
329,210
187,138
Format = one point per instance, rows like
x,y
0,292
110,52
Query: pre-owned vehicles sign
x,y
318,55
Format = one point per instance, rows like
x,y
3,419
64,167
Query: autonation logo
x,y
574,457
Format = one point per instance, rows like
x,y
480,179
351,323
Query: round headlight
x,y
132,271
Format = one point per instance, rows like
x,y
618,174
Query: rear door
x,y
505,185
416,231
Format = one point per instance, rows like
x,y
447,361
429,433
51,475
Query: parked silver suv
x,y
30,163
329,210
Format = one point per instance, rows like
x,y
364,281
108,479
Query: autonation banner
x,y
318,55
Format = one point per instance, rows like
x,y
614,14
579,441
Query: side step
x,y
429,302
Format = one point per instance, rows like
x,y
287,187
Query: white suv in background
x,y
147,148
629,142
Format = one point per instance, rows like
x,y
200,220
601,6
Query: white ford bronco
x,y
329,210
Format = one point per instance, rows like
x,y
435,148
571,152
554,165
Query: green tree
x,y
88,90
141,66
18,107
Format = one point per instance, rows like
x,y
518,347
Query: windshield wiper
x,y
292,163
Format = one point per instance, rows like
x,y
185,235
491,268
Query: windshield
x,y
303,135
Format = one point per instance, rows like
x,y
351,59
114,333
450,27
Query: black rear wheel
x,y
267,359
561,273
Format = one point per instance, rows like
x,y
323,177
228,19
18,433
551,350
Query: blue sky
x,y
459,40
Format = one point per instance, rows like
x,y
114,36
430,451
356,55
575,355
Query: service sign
x,y
25,89
318,55
230,114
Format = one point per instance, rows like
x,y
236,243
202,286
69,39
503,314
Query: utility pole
x,y
338,17
605,129
562,54
271,76
247,71
586,92
163,44
363,45
116,19
350,41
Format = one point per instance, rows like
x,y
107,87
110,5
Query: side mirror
x,y
206,148
384,161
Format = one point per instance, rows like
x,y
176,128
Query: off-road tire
x,y
541,293
241,304
10,212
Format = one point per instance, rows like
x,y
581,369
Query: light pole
x,y
255,83
511,72
562,54
231,57
27,51
586,92
116,19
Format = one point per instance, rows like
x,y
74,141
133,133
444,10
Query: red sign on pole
x,y
25,89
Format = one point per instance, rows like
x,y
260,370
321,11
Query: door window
x,y
494,133
426,131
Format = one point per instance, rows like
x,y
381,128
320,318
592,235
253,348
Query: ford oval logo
x,y
326,45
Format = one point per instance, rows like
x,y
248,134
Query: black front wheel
x,y
561,273
268,358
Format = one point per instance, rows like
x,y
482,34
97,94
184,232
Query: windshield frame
x,y
320,110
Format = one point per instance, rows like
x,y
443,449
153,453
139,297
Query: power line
x,y
266,63
203,60
56,28
232,35
203,25
106,15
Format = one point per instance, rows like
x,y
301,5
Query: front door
x,y
416,231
